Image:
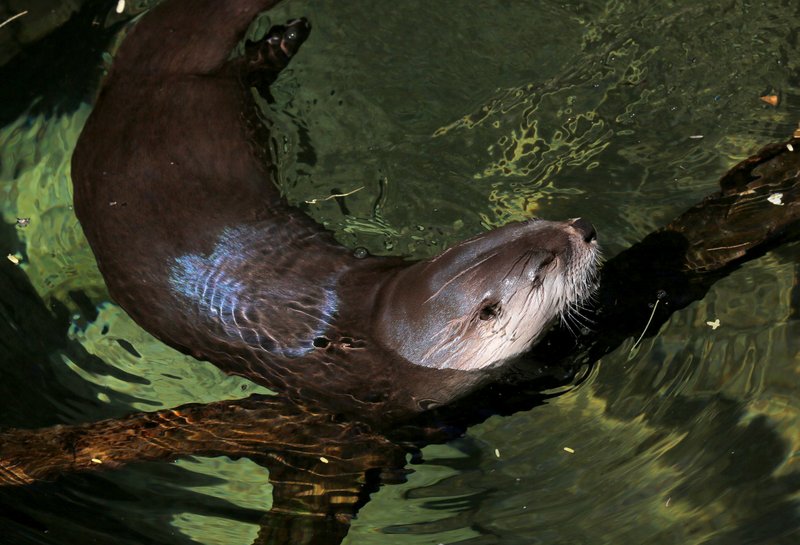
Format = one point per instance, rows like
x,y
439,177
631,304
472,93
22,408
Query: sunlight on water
x,y
242,483
35,183
409,516
169,378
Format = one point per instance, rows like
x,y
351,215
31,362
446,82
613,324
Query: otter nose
x,y
585,228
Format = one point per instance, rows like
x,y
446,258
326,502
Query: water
x,y
447,118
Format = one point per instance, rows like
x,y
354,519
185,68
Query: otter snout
x,y
585,229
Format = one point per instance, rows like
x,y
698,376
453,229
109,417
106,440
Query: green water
x,y
447,118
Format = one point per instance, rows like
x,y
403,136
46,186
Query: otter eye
x,y
489,312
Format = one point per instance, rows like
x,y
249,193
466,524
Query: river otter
x,y
195,242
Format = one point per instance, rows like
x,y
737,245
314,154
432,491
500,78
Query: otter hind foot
x,y
265,58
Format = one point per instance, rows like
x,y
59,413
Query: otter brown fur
x,y
172,188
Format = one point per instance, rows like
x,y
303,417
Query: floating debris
x,y
13,259
335,195
497,452
659,296
776,199
696,136
23,222
570,450
324,460
714,324
790,147
772,100
17,16
97,461
120,6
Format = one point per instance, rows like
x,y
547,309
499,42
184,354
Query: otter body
x,y
174,193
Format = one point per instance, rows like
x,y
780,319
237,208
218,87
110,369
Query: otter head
x,y
488,299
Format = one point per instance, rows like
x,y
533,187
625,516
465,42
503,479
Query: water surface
x,y
448,118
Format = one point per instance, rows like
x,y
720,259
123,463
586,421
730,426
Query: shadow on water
x,y
673,461
34,336
51,75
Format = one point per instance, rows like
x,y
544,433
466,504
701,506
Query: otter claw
x,y
267,57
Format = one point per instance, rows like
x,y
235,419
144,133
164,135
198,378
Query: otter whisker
x,y
526,257
462,273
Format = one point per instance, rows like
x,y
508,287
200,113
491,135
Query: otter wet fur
x,y
174,193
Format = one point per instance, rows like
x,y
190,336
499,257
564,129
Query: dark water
x,y
446,118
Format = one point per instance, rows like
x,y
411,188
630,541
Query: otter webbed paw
x,y
264,59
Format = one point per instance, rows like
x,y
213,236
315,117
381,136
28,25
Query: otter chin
x,y
174,188
490,298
